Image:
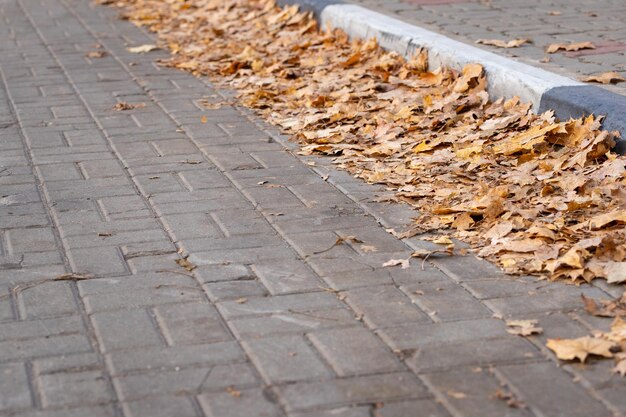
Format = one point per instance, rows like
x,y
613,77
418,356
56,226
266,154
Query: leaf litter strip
x,y
532,194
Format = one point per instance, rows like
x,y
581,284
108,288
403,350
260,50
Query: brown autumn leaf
x,y
581,348
513,43
96,54
605,308
575,46
183,262
404,263
610,77
509,398
523,327
122,106
73,276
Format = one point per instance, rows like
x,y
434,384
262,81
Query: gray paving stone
x,y
47,299
354,351
357,411
67,363
279,304
126,329
161,407
137,298
257,402
411,336
283,359
426,408
171,358
98,261
217,273
13,350
552,299
537,384
27,329
471,392
191,323
348,391
384,306
14,387
482,352
185,381
242,256
219,291
74,388
445,301
291,322
286,276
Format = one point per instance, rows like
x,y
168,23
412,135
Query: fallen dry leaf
x,y
142,49
96,54
183,262
523,327
369,248
514,43
457,394
605,308
395,262
577,46
570,349
610,77
233,392
73,276
339,241
122,106
509,398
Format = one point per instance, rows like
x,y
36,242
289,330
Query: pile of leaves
x,y
535,195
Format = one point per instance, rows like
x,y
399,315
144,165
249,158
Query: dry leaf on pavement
x,y
142,49
523,327
183,262
121,106
514,43
555,47
395,262
605,308
73,276
570,349
610,77
96,54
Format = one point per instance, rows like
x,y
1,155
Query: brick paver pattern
x,y
274,321
544,22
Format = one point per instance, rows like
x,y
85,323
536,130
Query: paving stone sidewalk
x,y
275,320
544,22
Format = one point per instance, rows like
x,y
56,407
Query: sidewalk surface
x,y
544,22
274,320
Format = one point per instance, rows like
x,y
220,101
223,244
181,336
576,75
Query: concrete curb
x,y
507,78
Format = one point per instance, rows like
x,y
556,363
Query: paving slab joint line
x,y
506,77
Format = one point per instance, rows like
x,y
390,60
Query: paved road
x,y
545,22
275,320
